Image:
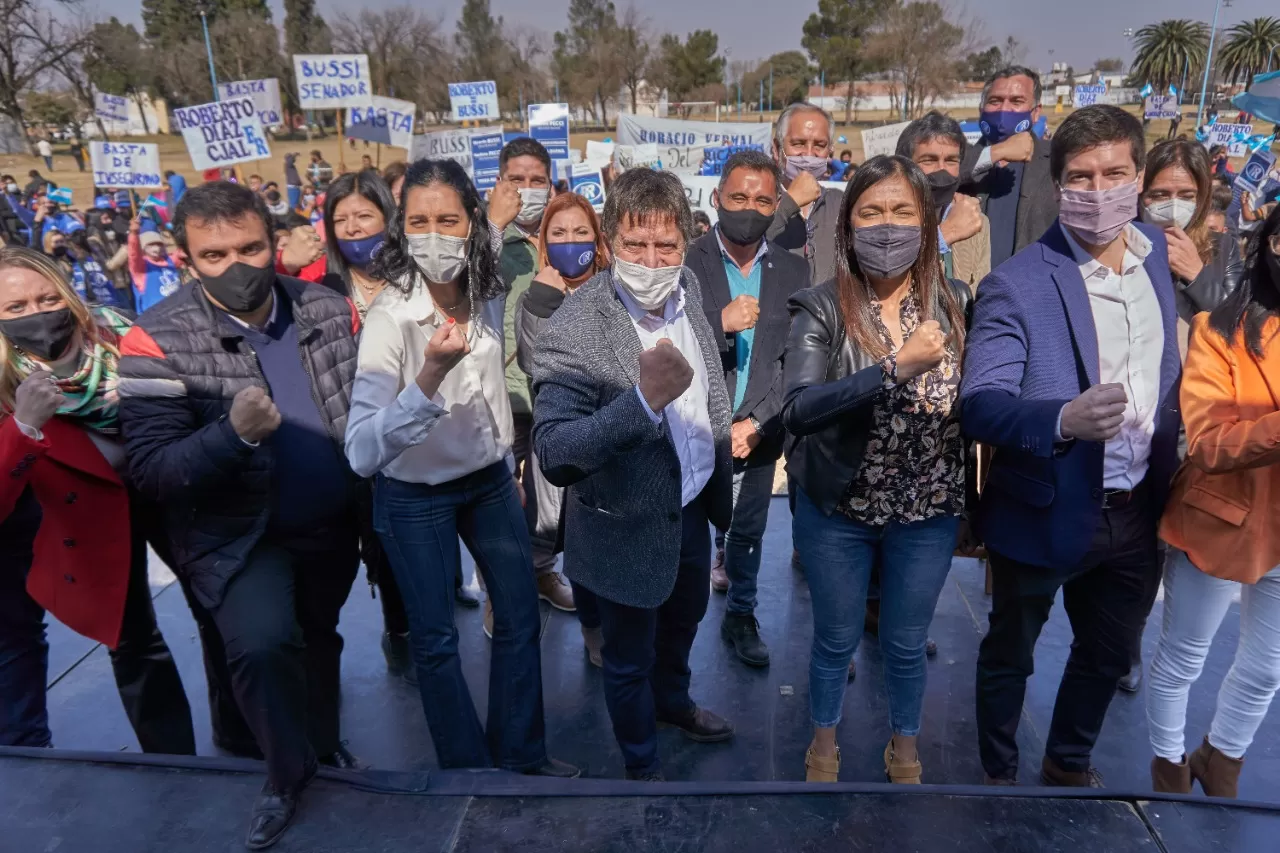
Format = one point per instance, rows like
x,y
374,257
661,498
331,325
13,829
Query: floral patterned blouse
x,y
913,467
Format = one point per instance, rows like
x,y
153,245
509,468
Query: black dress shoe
x,y
743,631
930,648
700,725
342,759
1132,680
465,597
395,648
554,768
273,811
651,776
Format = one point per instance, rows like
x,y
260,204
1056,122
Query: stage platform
x,y
383,721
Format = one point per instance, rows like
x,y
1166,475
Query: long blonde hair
x,y
43,266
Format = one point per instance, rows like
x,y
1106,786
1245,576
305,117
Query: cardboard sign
x,y
1234,136
881,140
110,107
452,145
474,100
222,134
1087,96
386,120
333,81
549,124
639,130
636,157
126,164
1160,107
265,95
486,146
586,180
599,152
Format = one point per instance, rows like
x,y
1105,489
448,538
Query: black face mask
x,y
743,227
942,184
241,288
60,251
44,335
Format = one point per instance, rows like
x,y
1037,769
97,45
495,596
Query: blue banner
x,y
549,124
486,146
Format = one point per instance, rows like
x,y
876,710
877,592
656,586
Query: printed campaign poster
x,y
386,120
1160,107
637,130
474,100
333,81
265,95
223,133
549,124
1254,173
110,107
125,165
586,180
486,146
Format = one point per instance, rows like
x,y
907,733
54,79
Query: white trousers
x,y
1194,605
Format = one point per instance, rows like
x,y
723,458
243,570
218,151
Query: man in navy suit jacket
x,y
1071,373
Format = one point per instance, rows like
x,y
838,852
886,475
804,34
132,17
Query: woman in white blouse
x,y
430,418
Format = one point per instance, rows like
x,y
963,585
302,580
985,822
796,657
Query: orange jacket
x,y
1224,508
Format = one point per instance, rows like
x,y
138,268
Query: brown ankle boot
x,y
1170,778
1217,774
1053,776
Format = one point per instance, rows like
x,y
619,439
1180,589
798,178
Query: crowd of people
x,y
1052,353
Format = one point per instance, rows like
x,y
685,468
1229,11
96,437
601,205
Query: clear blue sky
x,y
1077,31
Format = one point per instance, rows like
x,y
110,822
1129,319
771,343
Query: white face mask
x,y
532,203
440,257
1174,211
13,188
649,287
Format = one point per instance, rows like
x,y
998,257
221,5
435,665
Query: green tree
x,y
1166,48
919,48
304,30
632,50
481,44
980,66
172,21
682,69
116,60
836,36
792,75
1249,48
584,58
54,109
1112,65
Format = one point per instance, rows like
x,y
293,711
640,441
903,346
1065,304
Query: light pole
x,y
208,47
770,88
1208,63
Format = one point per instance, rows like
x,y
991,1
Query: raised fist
x,y
254,415
664,375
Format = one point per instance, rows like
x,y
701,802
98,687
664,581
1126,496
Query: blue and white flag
x,y
1146,90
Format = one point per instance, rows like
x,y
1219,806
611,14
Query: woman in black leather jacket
x,y
871,372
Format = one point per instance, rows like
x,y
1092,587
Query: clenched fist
x,y
922,352
254,415
741,314
1184,257
446,348
36,400
1018,148
303,249
1096,415
504,204
664,375
804,189
964,220
551,277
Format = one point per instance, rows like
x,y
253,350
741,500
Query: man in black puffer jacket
x,y
234,395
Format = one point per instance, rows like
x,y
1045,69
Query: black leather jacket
x,y
830,387
1218,280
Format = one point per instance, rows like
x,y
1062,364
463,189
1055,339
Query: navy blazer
x,y
1033,348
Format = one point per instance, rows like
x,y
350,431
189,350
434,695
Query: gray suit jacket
x,y
591,435
1037,199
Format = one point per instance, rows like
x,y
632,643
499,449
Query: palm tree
x,y
1249,45
1165,49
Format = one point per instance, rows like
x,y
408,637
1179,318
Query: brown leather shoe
x,y
898,771
1053,776
820,769
555,590
1170,778
593,640
719,578
700,725
1217,774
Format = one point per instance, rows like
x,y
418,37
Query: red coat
x,y
80,573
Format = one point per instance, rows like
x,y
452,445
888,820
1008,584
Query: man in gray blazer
x,y
631,416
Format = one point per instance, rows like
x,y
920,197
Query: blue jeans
x,y
419,526
752,491
838,554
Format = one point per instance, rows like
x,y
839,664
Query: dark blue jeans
x,y
419,525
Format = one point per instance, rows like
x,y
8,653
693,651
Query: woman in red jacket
x,y
71,534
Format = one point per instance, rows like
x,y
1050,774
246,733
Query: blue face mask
x,y
999,125
571,259
359,253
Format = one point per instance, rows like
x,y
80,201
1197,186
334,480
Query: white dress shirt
x,y
394,428
687,416
1126,313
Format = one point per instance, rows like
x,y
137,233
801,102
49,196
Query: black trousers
x,y
278,620
1107,598
646,651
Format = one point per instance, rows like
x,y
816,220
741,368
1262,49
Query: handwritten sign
x,y
223,133
1087,96
474,100
265,95
333,81
110,107
125,164
386,120
1160,107
644,156
1234,136
452,145
882,140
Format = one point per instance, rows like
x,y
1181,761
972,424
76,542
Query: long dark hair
x,y
927,279
1192,157
366,184
396,266
1257,299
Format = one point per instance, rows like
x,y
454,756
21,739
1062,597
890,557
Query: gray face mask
x,y
886,251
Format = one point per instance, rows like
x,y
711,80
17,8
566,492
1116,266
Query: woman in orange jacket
x,y
71,539
1222,522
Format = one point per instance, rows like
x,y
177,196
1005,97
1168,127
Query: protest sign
x,y
636,157
638,130
1234,136
549,124
485,147
881,140
715,156
222,134
125,164
333,81
1087,96
265,95
1254,173
599,152
474,100
110,107
586,180
698,189
452,145
1160,107
386,120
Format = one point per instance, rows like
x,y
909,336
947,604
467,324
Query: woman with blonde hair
x,y
63,509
